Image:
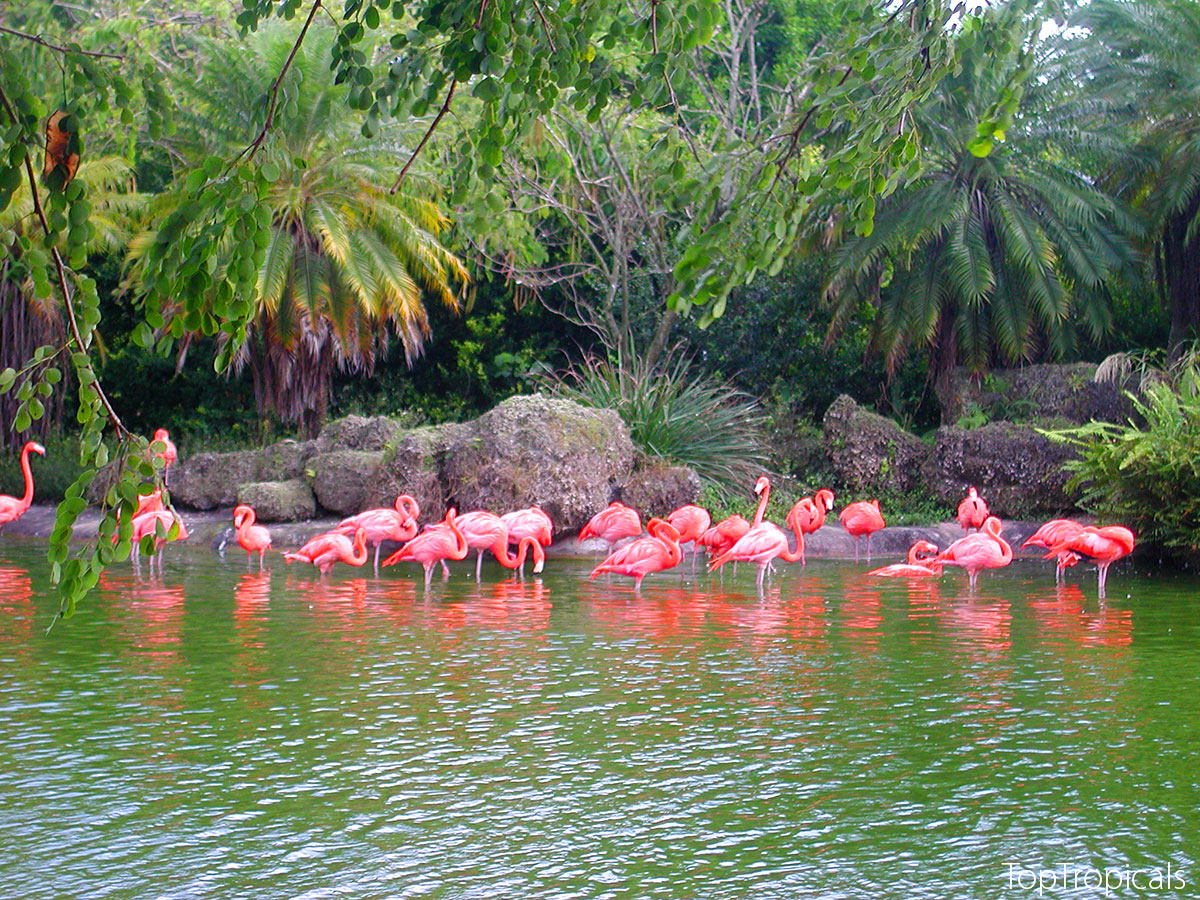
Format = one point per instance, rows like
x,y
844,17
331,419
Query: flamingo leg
x,y
868,548
478,565
429,574
378,547
1103,581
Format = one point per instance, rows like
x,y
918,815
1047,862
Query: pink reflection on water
x,y
16,609
1069,616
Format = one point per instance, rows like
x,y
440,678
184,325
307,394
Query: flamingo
x,y
531,522
690,522
972,511
612,524
326,550
1104,544
444,541
809,513
1056,531
383,524
983,550
168,454
724,534
862,518
250,537
919,564
656,553
485,531
763,543
12,508
148,523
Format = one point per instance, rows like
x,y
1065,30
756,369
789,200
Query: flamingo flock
x,y
630,552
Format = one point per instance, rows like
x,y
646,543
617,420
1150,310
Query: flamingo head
x,y
240,513
826,496
972,494
762,484
35,447
923,548
161,435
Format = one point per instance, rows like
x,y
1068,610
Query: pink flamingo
x,y
975,552
485,531
972,511
919,554
763,543
168,454
690,522
612,524
656,553
156,522
531,522
12,508
1056,531
250,537
1105,545
326,550
862,518
724,534
383,524
444,541
809,513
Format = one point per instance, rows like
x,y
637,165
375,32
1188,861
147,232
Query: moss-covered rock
x,y
412,465
374,433
1038,393
209,480
279,501
655,488
538,451
1017,470
869,452
340,479
285,460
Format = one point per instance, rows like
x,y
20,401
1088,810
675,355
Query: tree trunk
x,y
1181,272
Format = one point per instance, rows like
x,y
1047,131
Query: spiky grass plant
x,y
675,415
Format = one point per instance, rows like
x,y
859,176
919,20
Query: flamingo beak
x,y
537,567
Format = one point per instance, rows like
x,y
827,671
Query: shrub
x,y
1147,477
675,415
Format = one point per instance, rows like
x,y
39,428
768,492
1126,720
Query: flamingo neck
x,y
762,504
798,553
993,530
358,555
27,470
506,559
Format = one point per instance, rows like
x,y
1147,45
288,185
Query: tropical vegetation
x,y
425,208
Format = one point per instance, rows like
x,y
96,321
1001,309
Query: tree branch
x,y
428,133
45,43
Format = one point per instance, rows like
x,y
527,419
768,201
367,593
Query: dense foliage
x,y
1146,475
572,179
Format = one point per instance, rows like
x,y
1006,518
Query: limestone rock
x,y
359,433
1017,471
285,459
340,479
870,452
1034,393
279,501
538,451
209,480
412,466
655,488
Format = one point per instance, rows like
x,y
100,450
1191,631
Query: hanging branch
x,y
428,133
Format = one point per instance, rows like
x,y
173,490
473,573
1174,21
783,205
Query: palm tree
x,y
348,262
28,321
1143,66
985,259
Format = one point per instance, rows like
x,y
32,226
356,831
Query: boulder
x,y
656,488
340,479
539,451
209,480
373,433
1037,393
411,466
279,501
285,460
1018,471
869,452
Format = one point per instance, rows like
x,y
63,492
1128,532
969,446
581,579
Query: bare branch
x,y
428,133
45,43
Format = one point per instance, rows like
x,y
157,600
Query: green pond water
x,y
216,734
